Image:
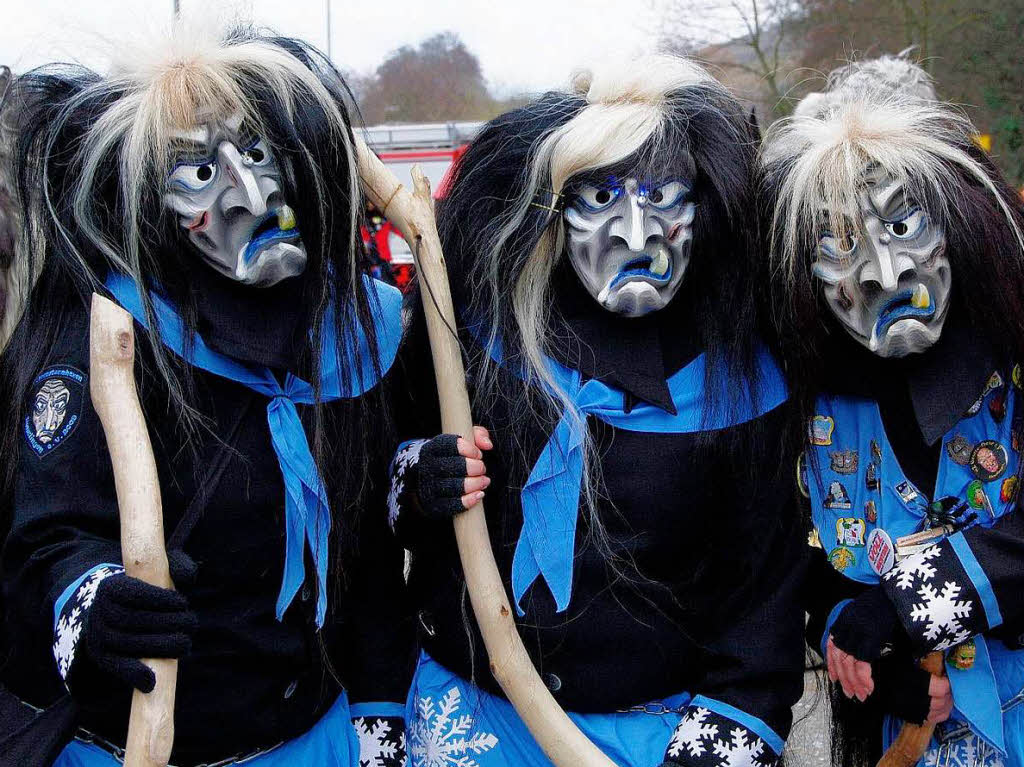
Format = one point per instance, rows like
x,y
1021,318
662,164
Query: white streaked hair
x,y
629,104
880,75
816,163
175,81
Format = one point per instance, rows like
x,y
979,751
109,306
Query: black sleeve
x,y
975,576
64,520
824,588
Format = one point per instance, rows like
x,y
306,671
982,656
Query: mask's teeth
x,y
659,266
920,298
285,218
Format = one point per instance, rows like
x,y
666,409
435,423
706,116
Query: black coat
x,y
251,680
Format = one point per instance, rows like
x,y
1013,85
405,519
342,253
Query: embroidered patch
x,y
837,497
841,558
55,408
871,512
959,449
906,491
1008,490
963,655
844,461
850,531
871,477
822,427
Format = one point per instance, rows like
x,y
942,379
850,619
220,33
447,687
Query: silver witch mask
x,y
629,241
887,279
225,187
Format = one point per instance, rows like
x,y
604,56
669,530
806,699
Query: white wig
x,y
815,163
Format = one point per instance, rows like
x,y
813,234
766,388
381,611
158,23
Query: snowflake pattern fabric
x,y
408,455
969,751
442,734
381,741
68,628
937,602
705,738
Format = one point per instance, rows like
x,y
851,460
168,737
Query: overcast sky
x,y
523,45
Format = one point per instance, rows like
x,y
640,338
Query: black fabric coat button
x,y
290,689
553,682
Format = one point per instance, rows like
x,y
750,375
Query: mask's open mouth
x,y
657,269
277,226
908,304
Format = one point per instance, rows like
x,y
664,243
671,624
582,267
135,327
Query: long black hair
x,y
91,162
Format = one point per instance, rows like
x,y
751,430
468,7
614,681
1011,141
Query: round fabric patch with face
x,y
988,460
54,408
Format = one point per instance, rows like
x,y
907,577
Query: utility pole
x,y
327,5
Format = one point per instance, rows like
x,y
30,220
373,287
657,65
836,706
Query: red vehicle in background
x,y
432,146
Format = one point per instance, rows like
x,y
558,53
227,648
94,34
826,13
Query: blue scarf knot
x,y
551,495
307,512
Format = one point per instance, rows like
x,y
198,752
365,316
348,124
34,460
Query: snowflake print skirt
x,y
962,747
453,723
332,742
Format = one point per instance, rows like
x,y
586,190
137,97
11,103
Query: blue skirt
x,y
332,742
451,719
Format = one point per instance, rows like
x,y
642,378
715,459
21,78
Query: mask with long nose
x,y
225,187
887,279
629,241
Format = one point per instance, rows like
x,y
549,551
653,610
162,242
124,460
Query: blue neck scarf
x,y
307,514
551,496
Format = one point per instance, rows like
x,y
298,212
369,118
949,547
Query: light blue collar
x,y
307,514
551,496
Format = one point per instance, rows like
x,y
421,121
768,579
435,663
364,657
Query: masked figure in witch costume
x,y
900,258
604,268
209,186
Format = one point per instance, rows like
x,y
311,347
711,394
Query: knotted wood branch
x,y
116,401
412,213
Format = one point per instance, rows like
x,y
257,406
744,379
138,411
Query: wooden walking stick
x,y
912,741
413,214
116,400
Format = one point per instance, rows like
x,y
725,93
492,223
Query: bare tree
x,y
751,41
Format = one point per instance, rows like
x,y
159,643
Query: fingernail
x,y
487,481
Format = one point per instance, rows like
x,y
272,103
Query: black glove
x,y
867,625
430,477
901,688
129,619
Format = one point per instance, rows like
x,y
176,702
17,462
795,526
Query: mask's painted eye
x,y
596,198
668,195
910,226
40,405
193,177
257,154
835,248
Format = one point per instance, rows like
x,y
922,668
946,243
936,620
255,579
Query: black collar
x,y
634,355
264,326
942,383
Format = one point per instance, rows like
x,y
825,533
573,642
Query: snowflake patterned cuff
x,y
715,734
406,457
69,613
380,728
942,595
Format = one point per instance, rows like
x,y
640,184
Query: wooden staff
x,y
116,400
413,214
913,739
